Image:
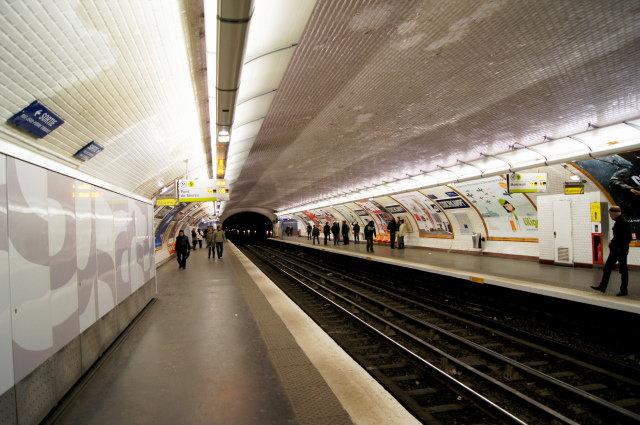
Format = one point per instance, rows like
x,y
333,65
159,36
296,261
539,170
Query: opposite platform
x,y
568,283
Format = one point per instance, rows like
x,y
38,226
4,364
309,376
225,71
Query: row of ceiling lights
x,y
593,143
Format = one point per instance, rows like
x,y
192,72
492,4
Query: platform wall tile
x,y
90,346
8,415
36,393
68,367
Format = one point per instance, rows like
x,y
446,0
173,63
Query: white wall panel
x,y
105,252
29,265
86,254
136,256
6,354
122,230
62,258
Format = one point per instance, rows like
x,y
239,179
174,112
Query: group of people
x,y
215,243
289,231
341,233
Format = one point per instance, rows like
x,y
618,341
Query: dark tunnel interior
x,y
247,227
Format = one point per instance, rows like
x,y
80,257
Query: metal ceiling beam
x,y
233,25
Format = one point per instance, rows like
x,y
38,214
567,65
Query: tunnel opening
x,y
246,227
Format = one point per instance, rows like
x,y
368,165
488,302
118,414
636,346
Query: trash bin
x,y
476,239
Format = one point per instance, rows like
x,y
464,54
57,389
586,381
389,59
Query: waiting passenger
x,y
392,228
402,232
309,230
335,230
356,232
345,232
327,232
194,238
316,234
182,249
199,238
369,234
618,251
219,238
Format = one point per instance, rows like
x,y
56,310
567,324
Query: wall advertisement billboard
x,y
430,219
380,217
508,216
619,178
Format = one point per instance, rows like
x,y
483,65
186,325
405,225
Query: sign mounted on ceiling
x,y
36,119
166,202
573,188
203,190
526,182
88,151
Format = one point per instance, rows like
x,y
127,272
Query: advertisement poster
x,y
619,175
429,217
507,215
351,216
325,216
380,218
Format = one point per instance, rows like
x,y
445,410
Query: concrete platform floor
x,y
564,282
196,357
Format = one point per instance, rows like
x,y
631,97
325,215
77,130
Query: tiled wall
x,y
69,253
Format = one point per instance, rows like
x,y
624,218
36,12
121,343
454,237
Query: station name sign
x,y
452,203
202,190
88,151
36,119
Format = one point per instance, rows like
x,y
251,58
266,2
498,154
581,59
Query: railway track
x,y
532,383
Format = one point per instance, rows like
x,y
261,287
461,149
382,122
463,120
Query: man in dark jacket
x,y
345,233
309,229
335,230
369,234
327,231
392,228
618,251
182,249
316,234
356,232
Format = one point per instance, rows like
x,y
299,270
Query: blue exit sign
x,y
36,119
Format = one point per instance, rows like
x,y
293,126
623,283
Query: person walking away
x,y
316,234
402,232
327,231
369,234
335,230
391,227
345,232
618,251
356,232
210,245
218,239
309,230
194,238
182,249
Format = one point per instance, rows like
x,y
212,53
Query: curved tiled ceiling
x,y
376,90
117,72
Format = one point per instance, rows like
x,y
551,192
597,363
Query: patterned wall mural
x,y
69,253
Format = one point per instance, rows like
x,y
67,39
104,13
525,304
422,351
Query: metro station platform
x,y
570,283
223,345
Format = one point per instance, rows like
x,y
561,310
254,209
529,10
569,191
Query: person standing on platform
x,y
199,239
194,238
392,228
335,230
618,251
356,232
210,245
402,232
182,249
369,234
345,233
218,239
327,231
316,234
309,230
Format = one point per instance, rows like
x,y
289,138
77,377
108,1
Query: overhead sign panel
x,y
36,119
526,182
88,151
204,190
452,203
166,202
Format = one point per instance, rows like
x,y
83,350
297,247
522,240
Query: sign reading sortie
x,y
36,119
